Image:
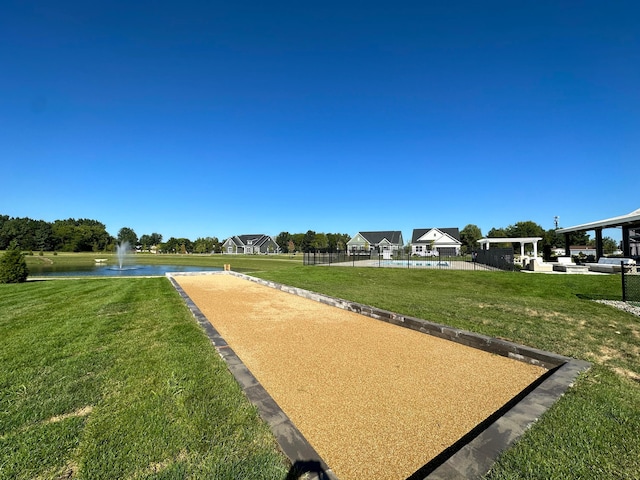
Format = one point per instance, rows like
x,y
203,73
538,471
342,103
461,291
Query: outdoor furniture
x,y
612,265
565,264
537,265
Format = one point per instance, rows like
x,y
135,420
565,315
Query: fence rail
x,y
630,285
498,259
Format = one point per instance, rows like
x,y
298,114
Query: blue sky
x,y
194,119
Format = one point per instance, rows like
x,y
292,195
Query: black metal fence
x,y
630,285
498,259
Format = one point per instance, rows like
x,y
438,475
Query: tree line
x,y
86,235
71,235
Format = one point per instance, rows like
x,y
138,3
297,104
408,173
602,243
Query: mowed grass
x,y
593,432
105,379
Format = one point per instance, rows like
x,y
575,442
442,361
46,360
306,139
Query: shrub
x,y
13,267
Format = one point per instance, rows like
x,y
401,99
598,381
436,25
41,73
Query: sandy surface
x,y
375,400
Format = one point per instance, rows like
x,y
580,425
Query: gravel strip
x,y
621,306
374,399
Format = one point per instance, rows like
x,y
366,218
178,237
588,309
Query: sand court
x,y
374,399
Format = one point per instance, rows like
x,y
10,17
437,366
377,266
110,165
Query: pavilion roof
x,y
628,220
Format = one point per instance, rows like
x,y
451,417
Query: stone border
x,y
471,456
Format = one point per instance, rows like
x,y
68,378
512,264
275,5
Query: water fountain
x,y
122,250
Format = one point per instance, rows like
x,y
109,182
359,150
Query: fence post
x,y
624,293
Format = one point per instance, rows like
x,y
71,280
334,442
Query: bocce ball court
x,y
347,387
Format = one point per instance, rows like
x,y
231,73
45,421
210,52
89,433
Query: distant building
x,y
435,241
250,244
582,249
366,242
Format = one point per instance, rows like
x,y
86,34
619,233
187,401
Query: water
x,y
114,270
122,250
417,263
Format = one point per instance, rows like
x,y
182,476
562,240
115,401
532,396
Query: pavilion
x,y
485,242
628,223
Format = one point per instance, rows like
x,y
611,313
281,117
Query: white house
x,y
435,241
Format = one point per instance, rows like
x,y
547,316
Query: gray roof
x,y
418,232
257,239
393,236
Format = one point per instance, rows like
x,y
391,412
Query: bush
x,y
13,267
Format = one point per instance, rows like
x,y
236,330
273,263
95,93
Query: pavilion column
x,y
626,246
521,249
535,249
599,249
567,245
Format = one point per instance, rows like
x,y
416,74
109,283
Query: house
x,y
250,244
366,242
435,241
582,249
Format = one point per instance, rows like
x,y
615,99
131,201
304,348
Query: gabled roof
x,y
393,236
235,240
256,239
453,232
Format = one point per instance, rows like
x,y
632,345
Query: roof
x,y
393,236
490,240
628,220
452,232
256,239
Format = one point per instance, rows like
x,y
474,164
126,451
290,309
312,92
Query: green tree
x,y
320,241
308,241
283,240
609,245
298,239
553,239
170,246
126,234
185,245
497,233
469,237
205,245
525,229
578,238
13,266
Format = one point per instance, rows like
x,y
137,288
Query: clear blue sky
x,y
194,119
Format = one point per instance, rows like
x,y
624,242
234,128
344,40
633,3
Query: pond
x,y
113,270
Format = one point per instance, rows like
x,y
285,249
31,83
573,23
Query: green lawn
x,y
105,379
113,376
